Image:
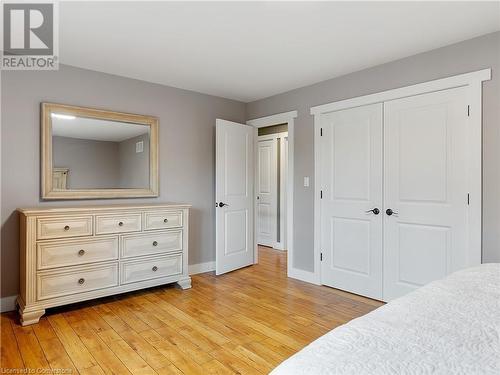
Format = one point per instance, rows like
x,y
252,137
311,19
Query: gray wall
x,y
134,167
92,164
187,154
474,54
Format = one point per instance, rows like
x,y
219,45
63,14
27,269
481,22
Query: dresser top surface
x,y
97,208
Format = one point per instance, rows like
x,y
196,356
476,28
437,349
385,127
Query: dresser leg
x,y
184,283
30,317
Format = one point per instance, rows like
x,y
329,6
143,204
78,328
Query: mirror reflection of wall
x,y
99,154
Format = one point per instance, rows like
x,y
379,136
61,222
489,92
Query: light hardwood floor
x,y
244,322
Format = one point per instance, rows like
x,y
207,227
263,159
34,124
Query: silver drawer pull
x,y
120,223
66,227
155,243
165,220
155,268
81,252
81,281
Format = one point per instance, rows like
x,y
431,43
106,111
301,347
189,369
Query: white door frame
x,y
280,118
473,82
281,244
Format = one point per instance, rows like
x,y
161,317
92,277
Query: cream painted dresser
x,y
72,254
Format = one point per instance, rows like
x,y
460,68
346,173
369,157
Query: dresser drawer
x,y
108,224
62,253
153,268
70,226
162,220
151,243
76,280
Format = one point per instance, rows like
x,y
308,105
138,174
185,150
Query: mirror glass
x,y
91,153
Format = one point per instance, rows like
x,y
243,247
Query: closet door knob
x,y
81,281
81,252
375,211
66,227
155,243
120,223
165,220
390,212
155,269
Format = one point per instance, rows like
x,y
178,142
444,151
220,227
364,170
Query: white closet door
x,y
267,192
351,182
425,157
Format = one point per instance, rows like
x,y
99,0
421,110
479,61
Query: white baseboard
x,y
201,268
8,303
307,276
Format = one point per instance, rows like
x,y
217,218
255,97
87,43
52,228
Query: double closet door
x,y
393,177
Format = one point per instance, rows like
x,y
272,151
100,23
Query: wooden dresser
x,y
72,254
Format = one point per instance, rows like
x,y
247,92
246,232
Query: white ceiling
x,y
97,130
251,50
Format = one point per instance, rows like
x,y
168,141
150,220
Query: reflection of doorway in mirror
x,y
60,178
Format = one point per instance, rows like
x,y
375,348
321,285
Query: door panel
x,y
234,188
267,192
425,183
351,181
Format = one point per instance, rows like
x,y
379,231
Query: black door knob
x,y
390,212
222,204
375,210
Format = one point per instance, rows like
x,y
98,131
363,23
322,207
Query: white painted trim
x,y
281,118
8,303
201,267
317,198
474,95
420,88
283,189
302,275
474,214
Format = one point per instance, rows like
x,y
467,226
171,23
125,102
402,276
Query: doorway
x,y
270,185
235,188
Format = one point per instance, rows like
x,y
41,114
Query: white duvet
x,y
449,326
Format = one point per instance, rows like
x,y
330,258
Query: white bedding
x,y
449,326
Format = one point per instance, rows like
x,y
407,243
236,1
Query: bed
x,y
450,326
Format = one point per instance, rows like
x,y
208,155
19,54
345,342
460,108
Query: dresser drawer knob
x,y
155,268
155,243
120,223
66,227
81,281
165,221
81,252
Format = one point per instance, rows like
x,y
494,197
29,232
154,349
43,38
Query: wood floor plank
x,y
244,322
93,341
30,349
76,350
10,355
132,360
56,355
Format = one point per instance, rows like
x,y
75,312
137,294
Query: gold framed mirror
x,y
89,153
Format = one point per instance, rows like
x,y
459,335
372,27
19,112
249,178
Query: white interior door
x,y
267,192
351,184
426,187
234,196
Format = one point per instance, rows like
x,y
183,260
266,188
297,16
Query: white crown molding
x,y
279,118
420,88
